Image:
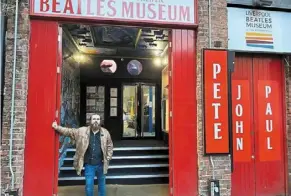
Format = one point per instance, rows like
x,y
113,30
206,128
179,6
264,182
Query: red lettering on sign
x,y
112,8
241,121
153,14
140,11
89,12
55,6
44,5
161,12
100,7
185,13
269,129
216,101
127,9
79,6
122,9
69,7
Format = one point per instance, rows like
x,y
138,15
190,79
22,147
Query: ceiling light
x,y
158,61
79,58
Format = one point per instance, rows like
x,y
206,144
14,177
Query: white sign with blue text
x,y
259,30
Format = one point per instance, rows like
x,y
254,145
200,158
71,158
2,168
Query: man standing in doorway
x,y
94,148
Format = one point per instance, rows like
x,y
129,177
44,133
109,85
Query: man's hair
x,y
95,115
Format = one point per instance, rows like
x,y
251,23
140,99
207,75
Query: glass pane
x,y
165,100
129,111
95,101
148,111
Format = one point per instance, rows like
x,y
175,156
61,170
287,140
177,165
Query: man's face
x,y
95,121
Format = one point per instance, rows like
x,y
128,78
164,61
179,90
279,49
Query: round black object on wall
x,y
134,67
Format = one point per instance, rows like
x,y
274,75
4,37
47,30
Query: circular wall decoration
x,y
108,66
134,67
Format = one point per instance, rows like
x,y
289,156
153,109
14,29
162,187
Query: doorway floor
x,y
119,190
139,143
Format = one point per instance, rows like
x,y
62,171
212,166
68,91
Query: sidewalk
x,y
119,190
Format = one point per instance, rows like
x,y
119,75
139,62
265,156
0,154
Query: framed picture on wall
x,y
113,111
113,92
113,102
95,101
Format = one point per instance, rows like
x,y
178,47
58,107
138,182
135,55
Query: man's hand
x,y
55,125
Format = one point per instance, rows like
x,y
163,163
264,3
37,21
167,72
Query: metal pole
x,y
1,62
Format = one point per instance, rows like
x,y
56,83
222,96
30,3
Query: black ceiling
x,y
118,41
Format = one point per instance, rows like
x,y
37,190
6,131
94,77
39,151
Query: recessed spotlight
x,y
158,61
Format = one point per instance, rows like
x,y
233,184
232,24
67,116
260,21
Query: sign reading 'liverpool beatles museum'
x,y
259,30
158,11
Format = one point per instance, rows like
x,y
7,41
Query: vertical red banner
x,y
216,102
269,129
241,121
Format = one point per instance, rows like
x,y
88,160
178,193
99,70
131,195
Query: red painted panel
x,y
270,121
270,172
170,67
40,138
216,101
243,176
184,133
58,106
241,114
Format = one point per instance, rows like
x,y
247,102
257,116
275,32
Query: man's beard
x,y
95,126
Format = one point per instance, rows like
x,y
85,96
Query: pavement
x,y
119,190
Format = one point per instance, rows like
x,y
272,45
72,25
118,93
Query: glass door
x,y
148,108
130,115
139,110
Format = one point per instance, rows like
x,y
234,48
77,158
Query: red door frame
x,y
183,75
184,112
243,60
41,103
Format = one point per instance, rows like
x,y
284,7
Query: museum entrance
x,y
117,72
94,77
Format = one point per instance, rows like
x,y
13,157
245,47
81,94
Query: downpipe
x,y
12,188
2,45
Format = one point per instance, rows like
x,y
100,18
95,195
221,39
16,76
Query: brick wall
x,y
20,95
219,35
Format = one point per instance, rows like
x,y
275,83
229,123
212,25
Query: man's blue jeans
x,y
90,172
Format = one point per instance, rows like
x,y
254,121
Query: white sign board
x,y
150,11
259,30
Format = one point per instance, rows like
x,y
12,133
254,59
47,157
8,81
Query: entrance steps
x,y
119,190
129,165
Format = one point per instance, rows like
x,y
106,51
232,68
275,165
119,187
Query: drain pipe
x,y
209,23
2,37
13,96
210,45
